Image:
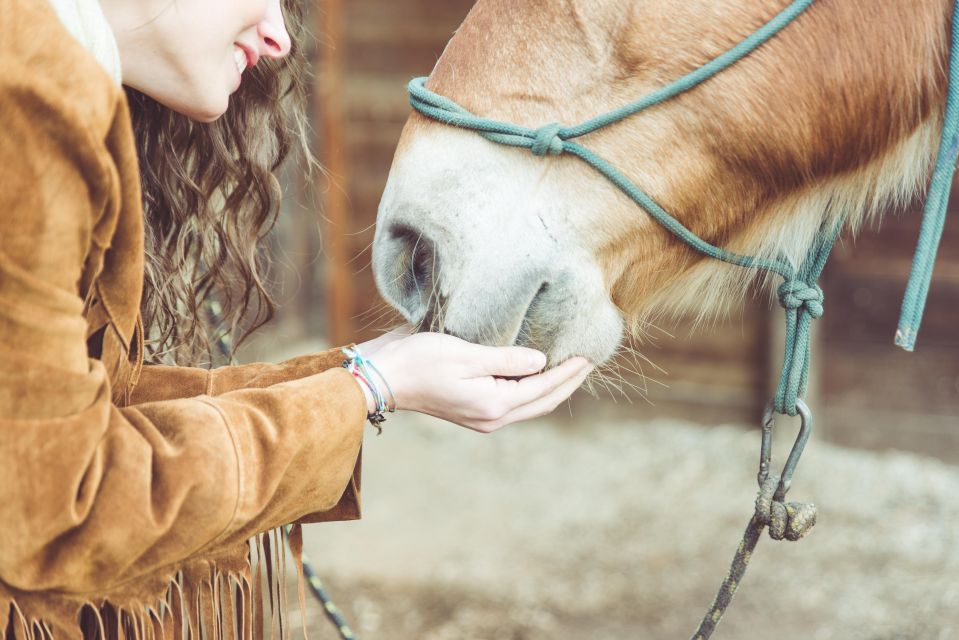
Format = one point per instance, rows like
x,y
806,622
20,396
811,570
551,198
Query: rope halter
x,y
546,140
795,295
799,295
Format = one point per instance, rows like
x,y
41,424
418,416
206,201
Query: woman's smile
x,y
239,55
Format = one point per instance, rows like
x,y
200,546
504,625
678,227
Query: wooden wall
x,y
869,393
873,393
372,49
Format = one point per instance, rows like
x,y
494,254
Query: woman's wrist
x,y
376,390
386,365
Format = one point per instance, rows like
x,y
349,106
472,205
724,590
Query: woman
x,y
128,491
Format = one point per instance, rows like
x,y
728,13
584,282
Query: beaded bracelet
x,y
363,370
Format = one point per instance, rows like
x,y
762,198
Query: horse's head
x,y
837,115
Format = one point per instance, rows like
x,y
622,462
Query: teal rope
x,y
802,299
799,294
447,111
934,213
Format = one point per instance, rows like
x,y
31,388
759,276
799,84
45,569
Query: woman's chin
x,y
199,97
207,118
210,113
204,109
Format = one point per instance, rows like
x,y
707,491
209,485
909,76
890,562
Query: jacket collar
x,y
84,19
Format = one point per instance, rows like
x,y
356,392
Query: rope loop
x,y
795,294
546,140
786,520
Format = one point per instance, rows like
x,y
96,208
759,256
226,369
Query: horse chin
x,y
476,241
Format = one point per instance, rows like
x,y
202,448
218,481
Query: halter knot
x,y
547,141
786,520
795,294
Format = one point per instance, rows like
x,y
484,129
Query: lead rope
x,y
330,610
934,212
786,520
799,294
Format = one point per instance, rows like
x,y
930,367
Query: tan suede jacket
x,y
128,492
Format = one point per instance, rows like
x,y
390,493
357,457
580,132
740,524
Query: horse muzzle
x,y
463,247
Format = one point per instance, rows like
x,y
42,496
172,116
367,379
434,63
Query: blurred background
x,y
617,516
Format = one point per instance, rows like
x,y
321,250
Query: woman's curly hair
x,y
210,198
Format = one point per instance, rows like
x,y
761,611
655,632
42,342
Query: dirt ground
x,y
572,529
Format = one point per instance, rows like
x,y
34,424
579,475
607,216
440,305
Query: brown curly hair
x,y
210,199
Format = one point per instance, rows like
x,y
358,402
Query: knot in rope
x,y
789,520
795,294
547,140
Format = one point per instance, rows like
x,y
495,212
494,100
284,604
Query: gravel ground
x,y
565,529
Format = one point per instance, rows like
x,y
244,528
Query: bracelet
x,y
363,369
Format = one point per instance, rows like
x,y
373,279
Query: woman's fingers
x,y
504,361
491,405
531,388
546,404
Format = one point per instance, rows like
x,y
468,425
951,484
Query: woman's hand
x,y
466,383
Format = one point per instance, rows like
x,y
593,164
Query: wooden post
x,y
334,196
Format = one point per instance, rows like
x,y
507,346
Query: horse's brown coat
x,y
837,101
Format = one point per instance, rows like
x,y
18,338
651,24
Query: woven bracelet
x,y
363,370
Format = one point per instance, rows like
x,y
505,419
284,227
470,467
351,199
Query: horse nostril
x,y
414,265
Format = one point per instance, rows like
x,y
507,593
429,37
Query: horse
x,y
836,118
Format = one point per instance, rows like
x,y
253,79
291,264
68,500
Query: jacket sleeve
x,y
92,493
161,382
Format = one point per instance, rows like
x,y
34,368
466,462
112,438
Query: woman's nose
x,y
271,31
